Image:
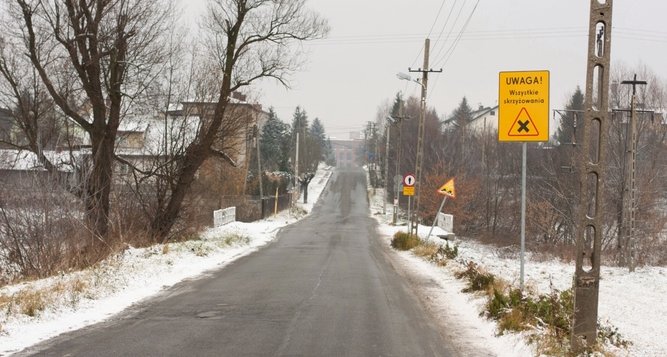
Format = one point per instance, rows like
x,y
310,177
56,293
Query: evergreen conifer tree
x,y
574,108
275,134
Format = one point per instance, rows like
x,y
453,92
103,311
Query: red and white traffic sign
x,y
409,180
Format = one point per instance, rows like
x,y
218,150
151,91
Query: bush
x,y
500,304
551,313
610,334
40,233
477,280
447,252
436,253
404,241
516,312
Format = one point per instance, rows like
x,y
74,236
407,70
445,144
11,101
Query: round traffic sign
x,y
409,180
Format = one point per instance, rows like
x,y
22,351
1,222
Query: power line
x,y
444,25
455,43
430,31
467,36
451,29
451,49
436,18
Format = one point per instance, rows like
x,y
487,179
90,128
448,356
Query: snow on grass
x,y
632,302
35,311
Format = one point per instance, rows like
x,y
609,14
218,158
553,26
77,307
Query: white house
x,y
482,120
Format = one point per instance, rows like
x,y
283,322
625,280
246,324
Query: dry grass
x,y
426,250
404,241
30,302
4,301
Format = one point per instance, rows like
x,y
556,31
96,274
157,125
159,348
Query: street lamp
x,y
406,77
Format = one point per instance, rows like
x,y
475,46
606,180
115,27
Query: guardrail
x,y
224,216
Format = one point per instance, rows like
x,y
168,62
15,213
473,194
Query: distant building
x,y
356,135
6,125
482,120
347,152
251,114
22,173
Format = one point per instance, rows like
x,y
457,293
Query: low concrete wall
x,y
224,216
446,222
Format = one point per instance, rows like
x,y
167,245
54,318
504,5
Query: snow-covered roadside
x,y
631,302
470,334
79,299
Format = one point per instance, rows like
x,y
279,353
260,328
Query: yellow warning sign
x,y
408,190
523,106
448,189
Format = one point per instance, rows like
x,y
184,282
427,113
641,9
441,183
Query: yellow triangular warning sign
x,y
523,125
448,189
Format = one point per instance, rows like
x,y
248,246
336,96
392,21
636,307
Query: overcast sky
x,y
353,71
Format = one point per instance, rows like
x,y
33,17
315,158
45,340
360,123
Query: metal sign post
x,y
523,115
524,151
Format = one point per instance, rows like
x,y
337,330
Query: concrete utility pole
x,y
629,189
386,170
371,149
591,178
414,222
397,195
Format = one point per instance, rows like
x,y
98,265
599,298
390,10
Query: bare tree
x,y
248,40
94,58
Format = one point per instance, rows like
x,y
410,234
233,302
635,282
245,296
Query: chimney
x,y
238,96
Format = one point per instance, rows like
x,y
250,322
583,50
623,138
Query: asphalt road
x,y
325,287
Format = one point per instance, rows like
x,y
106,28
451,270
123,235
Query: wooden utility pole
x,y
414,222
629,188
295,195
591,178
259,165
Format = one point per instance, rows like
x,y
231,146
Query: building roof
x,y
474,115
24,160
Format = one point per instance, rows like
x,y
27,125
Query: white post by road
x,y
436,217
